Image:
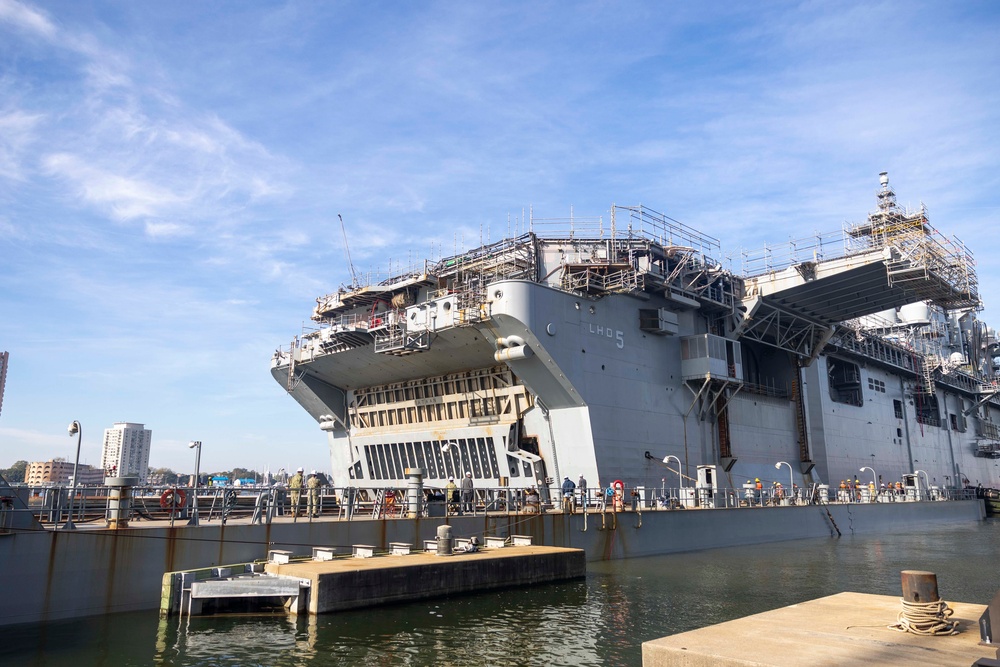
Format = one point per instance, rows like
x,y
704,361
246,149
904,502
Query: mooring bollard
x,y
924,613
919,586
444,541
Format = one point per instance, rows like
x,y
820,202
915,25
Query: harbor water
x,y
601,620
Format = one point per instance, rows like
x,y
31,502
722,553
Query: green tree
x,y
16,473
169,476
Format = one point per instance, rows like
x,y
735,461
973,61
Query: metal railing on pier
x,y
263,504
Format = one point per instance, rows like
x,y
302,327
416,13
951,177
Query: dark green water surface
x,y
601,620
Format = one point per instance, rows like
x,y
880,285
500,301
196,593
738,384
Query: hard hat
x,y
313,472
299,470
756,479
451,479
567,477
469,474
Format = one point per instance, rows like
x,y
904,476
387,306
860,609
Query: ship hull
x,y
64,575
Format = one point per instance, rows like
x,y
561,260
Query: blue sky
x,y
171,173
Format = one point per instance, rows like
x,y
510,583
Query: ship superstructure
x,y
601,347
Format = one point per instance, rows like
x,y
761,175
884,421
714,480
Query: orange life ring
x,y
618,485
173,498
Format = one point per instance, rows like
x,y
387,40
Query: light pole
x,y
453,446
874,479
77,430
195,444
791,474
680,479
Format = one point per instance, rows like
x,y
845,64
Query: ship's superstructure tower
x,y
125,452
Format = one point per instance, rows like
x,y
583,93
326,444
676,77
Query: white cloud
x,y
123,197
26,18
17,132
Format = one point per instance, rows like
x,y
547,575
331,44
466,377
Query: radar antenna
x,y
347,249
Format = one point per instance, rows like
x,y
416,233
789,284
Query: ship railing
x,y
777,257
262,504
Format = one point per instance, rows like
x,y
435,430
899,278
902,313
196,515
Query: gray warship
x,y
621,350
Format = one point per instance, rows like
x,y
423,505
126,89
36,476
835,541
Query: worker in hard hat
x,y
295,491
314,504
451,493
568,488
468,494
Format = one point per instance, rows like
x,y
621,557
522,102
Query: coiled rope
x,y
925,618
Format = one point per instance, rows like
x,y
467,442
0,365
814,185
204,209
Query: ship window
x,y
488,457
429,460
876,385
899,433
439,459
368,459
356,472
419,451
474,456
402,462
449,461
381,462
395,470
927,409
845,382
958,423
897,406
512,466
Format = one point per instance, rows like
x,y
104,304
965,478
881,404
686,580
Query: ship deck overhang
x,y
452,350
798,308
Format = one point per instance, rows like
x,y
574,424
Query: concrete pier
x,y
842,629
353,583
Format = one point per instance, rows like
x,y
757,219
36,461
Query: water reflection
x,y
598,621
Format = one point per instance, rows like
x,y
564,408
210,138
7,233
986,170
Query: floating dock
x,y
842,629
353,583
329,583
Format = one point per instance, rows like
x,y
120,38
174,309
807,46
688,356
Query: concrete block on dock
x,y
362,551
431,546
323,553
400,548
493,542
520,540
279,556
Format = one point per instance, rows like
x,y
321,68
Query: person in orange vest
x,y
760,488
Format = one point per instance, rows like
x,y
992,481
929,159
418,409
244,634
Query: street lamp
x,y
453,446
195,444
680,478
791,474
874,478
77,430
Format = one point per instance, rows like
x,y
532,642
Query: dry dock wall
x,y
49,575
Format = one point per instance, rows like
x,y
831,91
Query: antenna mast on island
x,y
347,249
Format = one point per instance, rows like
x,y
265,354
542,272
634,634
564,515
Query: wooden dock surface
x,y
842,629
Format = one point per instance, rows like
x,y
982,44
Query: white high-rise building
x,y
126,450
